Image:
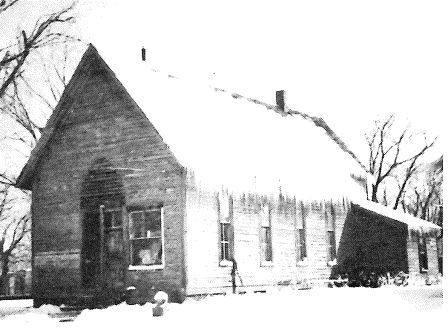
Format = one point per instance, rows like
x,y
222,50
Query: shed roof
x,y
412,222
227,139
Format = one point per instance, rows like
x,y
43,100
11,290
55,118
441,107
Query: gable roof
x,y
227,139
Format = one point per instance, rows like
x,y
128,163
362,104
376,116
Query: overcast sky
x,y
347,61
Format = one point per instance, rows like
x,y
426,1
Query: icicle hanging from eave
x,y
271,194
424,232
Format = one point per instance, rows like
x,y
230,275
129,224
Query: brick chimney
x,y
280,98
143,54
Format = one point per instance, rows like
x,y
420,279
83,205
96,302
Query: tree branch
x,y
5,5
40,36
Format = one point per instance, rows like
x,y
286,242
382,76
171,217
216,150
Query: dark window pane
x,y
331,241
264,235
268,235
153,223
264,251
118,218
225,251
225,232
222,251
297,244
302,244
107,219
146,251
223,236
268,252
137,228
266,244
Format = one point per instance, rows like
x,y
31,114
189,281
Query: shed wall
x,y
371,242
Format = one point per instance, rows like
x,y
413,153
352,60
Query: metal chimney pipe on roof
x,y
143,54
280,98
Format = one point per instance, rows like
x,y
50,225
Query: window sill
x,y
225,263
267,264
146,268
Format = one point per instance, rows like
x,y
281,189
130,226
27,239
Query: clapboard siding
x,y
202,244
102,123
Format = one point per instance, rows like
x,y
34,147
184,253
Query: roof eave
x,y
24,181
420,226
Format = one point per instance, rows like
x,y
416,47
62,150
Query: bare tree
x,y
424,198
393,152
6,4
44,33
12,232
27,53
16,89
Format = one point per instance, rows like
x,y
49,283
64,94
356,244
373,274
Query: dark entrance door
x,y
113,254
103,254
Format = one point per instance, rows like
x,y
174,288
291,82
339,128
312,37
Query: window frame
x,y
262,227
225,217
302,255
300,233
162,236
222,242
331,245
330,230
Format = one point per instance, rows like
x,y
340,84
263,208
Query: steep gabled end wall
x,y
102,128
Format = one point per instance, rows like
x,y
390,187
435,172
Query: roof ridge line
x,y
318,121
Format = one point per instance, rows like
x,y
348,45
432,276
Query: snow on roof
x,y
412,222
243,144
229,140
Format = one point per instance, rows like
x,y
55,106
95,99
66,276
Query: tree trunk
x,y
4,277
374,193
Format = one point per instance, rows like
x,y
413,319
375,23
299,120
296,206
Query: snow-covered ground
x,y
386,309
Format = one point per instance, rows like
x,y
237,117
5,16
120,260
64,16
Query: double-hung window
x,y
146,238
301,235
225,209
422,254
330,222
225,241
266,235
